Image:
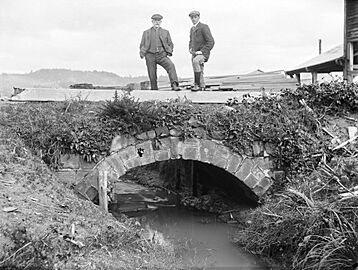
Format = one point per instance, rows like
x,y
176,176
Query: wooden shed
x,y
350,39
340,58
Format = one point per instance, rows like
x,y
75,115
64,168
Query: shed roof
x,y
329,61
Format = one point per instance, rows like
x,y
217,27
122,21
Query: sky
x,y
104,35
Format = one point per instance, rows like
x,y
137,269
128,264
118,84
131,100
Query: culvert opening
x,y
183,183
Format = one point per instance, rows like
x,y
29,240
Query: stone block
x,y
269,148
116,163
87,166
190,153
200,133
147,160
251,181
191,149
91,179
144,149
257,172
165,143
128,153
245,169
207,150
143,136
233,163
161,155
221,156
264,163
91,193
265,182
248,151
70,161
121,141
218,135
81,188
104,165
257,148
80,175
66,176
175,147
279,176
162,132
151,134
258,190
175,132
134,162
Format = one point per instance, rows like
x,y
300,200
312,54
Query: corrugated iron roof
x,y
326,62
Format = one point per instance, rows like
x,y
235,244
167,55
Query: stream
x,y
200,238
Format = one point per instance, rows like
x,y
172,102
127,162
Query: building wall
x,y
352,20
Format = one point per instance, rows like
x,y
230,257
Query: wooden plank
x,y
102,190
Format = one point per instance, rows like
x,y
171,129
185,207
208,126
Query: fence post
x,y
102,190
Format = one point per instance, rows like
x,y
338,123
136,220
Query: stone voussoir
x,y
117,164
244,169
234,163
251,181
162,132
121,141
207,150
190,149
128,153
221,156
175,147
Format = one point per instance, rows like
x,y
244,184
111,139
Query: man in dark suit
x,y
200,44
156,45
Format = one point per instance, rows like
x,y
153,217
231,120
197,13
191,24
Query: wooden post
x,y
298,78
345,45
178,168
102,190
319,46
314,77
195,180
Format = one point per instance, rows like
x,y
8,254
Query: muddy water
x,y
199,238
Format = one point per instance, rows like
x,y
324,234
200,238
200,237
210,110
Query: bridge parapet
x,y
255,171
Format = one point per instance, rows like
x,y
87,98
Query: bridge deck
x,y
50,94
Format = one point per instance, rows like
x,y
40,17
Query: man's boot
x,y
196,81
175,86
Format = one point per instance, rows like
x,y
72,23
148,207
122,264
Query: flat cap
x,y
194,13
157,17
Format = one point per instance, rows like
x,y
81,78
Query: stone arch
x,y
128,152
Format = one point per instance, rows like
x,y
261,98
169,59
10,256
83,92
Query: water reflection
x,y
199,238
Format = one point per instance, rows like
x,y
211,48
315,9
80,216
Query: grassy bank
x,y
311,222
43,225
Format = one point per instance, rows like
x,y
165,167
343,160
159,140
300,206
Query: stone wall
x,y
254,169
73,169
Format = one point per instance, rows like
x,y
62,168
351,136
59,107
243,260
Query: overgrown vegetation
x,y
86,129
312,222
306,223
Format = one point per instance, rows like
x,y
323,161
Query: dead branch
x,y
303,196
346,142
14,254
271,215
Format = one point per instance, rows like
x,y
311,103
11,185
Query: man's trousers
x,y
161,58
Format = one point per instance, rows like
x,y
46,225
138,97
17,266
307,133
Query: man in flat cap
x,y
200,44
156,45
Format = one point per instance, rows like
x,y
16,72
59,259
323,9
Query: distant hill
x,y
62,78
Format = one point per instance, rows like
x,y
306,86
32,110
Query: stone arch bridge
x,y
255,170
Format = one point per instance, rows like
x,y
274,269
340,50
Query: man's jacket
x,y
164,38
201,39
